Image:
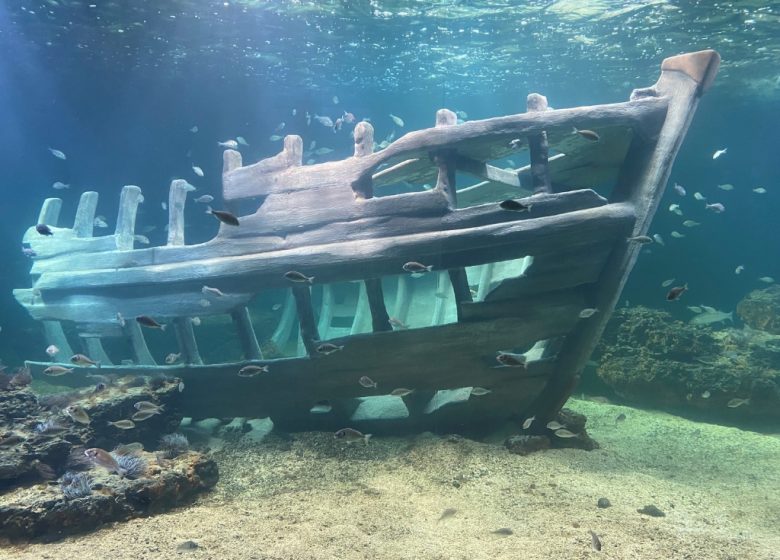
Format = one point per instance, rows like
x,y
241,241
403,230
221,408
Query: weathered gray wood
x,y
538,148
129,200
362,321
382,256
402,299
177,198
94,349
308,328
364,146
246,334
445,160
493,174
380,320
479,139
138,342
326,312
284,328
683,80
568,300
84,223
185,336
50,211
460,288
54,334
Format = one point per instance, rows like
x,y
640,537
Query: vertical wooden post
x,y
360,323
84,224
485,280
445,160
177,197
129,200
642,180
460,287
246,334
95,350
55,335
326,312
402,298
284,329
50,211
364,145
308,327
138,342
186,339
538,148
376,301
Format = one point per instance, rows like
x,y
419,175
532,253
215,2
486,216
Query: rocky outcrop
x,y
48,487
539,437
760,309
648,358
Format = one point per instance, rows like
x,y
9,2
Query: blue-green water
x,y
118,88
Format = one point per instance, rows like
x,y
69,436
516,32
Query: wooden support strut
x,y
177,197
538,148
376,301
50,211
129,200
446,160
84,223
364,146
308,327
138,342
186,339
246,334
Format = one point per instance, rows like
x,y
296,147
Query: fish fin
x,y
162,327
429,267
97,364
209,209
310,279
574,130
366,437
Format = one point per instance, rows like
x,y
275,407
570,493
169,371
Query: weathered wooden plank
x,y
284,328
479,139
185,336
403,298
380,257
138,342
682,81
362,321
460,288
489,172
326,311
129,200
84,223
445,160
539,149
50,211
177,198
380,320
308,328
522,306
246,334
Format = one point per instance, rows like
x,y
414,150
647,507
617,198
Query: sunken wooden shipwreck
x,y
500,281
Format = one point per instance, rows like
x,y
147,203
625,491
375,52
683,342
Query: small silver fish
x,y
706,395
82,360
588,312
479,391
739,269
695,308
194,129
587,134
564,433
197,170
59,185
719,153
401,392
120,319
251,370
100,222
123,424
667,283
367,382
759,190
180,387
350,435
726,187
324,121
295,276
77,414
734,403
204,303
397,323
698,196
677,235
208,290
321,407
767,280
142,415
146,321
528,421
327,348
232,144
52,350
147,405
55,371
205,199
553,425
397,121
196,321
241,140
716,207
680,189
142,239
640,239
658,239
275,137
416,268
59,154
691,223
172,358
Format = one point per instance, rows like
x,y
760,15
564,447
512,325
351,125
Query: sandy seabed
x,y
312,497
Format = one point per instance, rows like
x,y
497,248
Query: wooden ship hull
x,y
501,280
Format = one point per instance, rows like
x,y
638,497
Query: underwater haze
x,y
681,395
